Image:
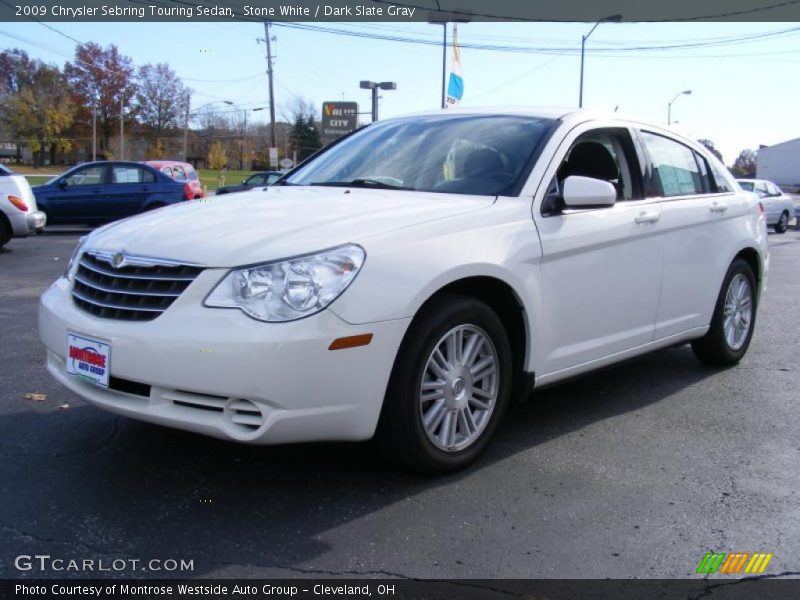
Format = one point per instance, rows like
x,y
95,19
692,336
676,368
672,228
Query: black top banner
x,y
400,11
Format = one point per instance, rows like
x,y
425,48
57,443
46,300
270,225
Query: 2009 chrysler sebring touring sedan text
x,y
411,279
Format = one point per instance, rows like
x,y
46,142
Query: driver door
x,y
601,267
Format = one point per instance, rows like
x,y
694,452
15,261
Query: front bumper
x,y
220,373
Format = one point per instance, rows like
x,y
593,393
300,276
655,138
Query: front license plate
x,y
88,359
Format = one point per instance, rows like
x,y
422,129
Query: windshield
x,y
747,186
461,154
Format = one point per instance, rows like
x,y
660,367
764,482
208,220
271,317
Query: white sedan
x,y
410,280
778,206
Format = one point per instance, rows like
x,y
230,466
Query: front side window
x,y
747,186
606,154
461,154
88,176
675,170
255,180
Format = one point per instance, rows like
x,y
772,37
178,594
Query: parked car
x,y
19,215
102,191
779,206
409,280
262,179
181,172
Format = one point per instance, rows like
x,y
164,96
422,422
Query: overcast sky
x,y
743,76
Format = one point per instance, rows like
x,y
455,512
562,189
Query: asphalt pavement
x,y
636,471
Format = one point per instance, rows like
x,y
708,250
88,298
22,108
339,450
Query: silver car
x,y
778,206
19,215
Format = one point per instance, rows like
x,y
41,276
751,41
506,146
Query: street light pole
x,y
611,19
372,85
669,106
94,131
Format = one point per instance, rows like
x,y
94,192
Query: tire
x,y
723,346
783,223
475,406
5,231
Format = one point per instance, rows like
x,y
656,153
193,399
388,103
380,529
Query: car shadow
x,y
105,485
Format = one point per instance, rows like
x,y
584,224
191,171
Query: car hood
x,y
279,222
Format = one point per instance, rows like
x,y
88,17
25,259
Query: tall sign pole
x,y
271,92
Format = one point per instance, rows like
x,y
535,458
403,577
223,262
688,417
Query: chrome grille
x,y
140,290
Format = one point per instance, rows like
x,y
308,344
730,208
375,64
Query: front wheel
x,y
783,223
734,319
449,387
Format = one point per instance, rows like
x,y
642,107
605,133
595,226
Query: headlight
x,y
72,265
289,289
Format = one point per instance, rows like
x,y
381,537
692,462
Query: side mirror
x,y
62,184
585,192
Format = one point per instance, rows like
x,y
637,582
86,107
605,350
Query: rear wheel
x,y
449,387
783,223
734,318
5,231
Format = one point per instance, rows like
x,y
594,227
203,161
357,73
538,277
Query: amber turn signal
x,y
352,341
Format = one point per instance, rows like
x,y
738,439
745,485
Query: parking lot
x,y
636,471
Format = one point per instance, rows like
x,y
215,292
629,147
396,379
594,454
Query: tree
x,y
101,78
710,147
41,112
745,163
216,156
161,99
16,69
305,137
155,151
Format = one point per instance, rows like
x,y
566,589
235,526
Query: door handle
x,y
647,217
716,207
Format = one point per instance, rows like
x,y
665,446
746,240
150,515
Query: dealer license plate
x,y
88,358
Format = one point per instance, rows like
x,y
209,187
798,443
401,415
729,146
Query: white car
x,y
411,279
778,206
18,212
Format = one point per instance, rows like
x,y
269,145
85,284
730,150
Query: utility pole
x,y
94,130
271,92
186,129
122,127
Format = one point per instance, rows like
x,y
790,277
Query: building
x,y
780,163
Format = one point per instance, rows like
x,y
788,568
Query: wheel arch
x,y
752,257
501,297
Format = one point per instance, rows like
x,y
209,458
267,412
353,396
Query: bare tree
x,y
161,99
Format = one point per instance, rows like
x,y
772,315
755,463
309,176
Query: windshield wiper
x,y
362,183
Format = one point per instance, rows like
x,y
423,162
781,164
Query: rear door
x,y
698,219
128,189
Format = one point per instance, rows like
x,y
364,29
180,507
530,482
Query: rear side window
x,y
721,182
675,167
131,175
178,173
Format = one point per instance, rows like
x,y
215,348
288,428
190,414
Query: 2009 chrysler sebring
x,y
410,280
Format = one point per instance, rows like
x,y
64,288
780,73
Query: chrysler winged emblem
x,y
118,260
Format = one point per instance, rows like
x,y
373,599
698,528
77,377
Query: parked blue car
x,y
102,191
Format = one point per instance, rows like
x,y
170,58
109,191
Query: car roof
x,y
166,163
